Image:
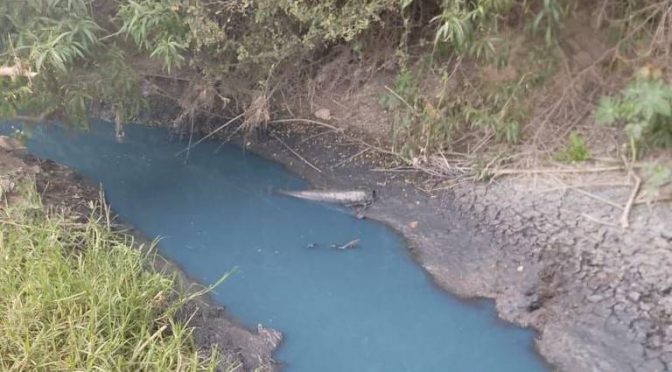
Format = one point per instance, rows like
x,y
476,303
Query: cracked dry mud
x,y
558,261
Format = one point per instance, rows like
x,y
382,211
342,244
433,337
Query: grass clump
x,y
576,150
79,297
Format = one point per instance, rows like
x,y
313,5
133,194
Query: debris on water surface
x,y
349,245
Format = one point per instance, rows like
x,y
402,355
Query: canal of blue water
x,y
366,309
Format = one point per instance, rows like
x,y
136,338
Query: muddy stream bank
x,y
599,296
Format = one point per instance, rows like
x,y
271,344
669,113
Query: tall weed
x,y
79,297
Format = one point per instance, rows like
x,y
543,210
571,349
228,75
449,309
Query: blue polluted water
x,y
365,309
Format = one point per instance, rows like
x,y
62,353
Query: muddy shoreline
x,y
568,278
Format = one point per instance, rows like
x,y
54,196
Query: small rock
x,y
413,224
667,235
634,296
520,269
323,114
10,144
595,298
535,305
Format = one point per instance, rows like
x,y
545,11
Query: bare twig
x,y
350,244
211,134
308,121
401,99
596,197
597,220
587,185
378,149
191,137
654,200
34,119
502,172
625,218
397,170
349,159
296,153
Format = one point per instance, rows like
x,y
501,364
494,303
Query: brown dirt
x,y
369,115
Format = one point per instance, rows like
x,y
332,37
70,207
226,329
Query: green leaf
x,y
635,130
608,111
650,98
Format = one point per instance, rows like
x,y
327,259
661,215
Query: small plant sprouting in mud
x,y
575,151
657,176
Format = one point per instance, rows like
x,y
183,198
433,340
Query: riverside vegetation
x,y
76,296
245,59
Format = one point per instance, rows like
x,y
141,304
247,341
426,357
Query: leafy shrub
x,y
657,175
424,124
548,20
644,108
469,27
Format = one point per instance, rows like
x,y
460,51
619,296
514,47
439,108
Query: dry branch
x,y
349,245
211,134
596,197
307,121
296,153
16,71
625,218
502,172
257,113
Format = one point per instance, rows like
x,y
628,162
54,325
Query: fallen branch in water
x,y
332,196
349,245
210,134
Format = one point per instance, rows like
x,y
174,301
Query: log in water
x,y
350,197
